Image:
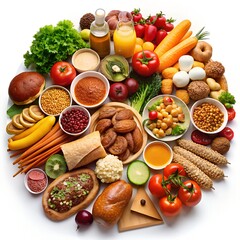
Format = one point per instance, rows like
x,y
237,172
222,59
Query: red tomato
x,y
157,186
136,14
118,92
152,115
231,114
227,132
190,194
169,25
139,29
161,34
200,137
160,21
62,73
170,207
132,85
174,172
150,32
145,63
174,169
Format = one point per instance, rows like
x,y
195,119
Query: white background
x,y
216,217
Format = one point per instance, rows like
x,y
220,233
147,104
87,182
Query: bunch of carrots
x,y
177,43
37,154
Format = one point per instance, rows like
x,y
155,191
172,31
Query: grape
x,y
83,217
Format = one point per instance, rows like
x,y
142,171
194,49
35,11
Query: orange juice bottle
x,y
124,38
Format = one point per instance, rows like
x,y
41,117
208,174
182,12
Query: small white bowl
x,y
55,103
70,109
160,148
217,104
36,178
86,59
90,95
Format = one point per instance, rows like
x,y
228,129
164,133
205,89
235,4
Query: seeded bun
x,y
26,87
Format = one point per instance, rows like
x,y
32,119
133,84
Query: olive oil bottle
x,y
99,34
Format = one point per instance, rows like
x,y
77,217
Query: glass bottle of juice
x,y
124,37
99,34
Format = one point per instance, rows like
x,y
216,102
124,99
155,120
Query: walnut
x,y
86,20
214,69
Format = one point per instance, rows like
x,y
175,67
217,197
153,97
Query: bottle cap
x,y
100,16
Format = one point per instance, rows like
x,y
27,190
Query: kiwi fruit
x,y
55,166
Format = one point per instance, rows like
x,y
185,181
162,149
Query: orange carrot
x,y
187,35
171,57
173,38
42,142
53,143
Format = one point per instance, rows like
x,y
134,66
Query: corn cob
x,y
212,170
194,172
203,151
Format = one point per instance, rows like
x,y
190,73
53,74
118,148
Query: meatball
x,y
198,90
220,144
214,69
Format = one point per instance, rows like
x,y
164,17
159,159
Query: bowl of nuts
x,y
209,115
54,99
75,120
166,118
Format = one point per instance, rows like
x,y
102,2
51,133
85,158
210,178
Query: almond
x,y
124,114
137,139
124,126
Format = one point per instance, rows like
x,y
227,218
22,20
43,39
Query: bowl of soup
x,y
157,155
90,89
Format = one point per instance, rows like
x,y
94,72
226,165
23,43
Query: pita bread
x,y
83,150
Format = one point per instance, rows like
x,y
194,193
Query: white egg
x,y
181,79
197,73
185,62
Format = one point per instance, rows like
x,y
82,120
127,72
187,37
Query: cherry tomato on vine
x,y
152,115
136,14
157,185
150,32
169,25
227,132
159,20
161,34
139,29
170,206
190,193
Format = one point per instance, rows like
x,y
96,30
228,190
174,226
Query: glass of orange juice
x,y
124,38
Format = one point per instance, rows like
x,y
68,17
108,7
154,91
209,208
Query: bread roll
x,y
110,204
61,200
26,87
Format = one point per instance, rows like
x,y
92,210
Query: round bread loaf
x,y
26,87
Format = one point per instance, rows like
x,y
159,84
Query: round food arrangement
x,y
99,127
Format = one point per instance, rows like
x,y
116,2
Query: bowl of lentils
x,y
75,120
209,115
54,99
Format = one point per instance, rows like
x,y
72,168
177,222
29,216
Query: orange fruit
x,y
139,41
138,48
148,46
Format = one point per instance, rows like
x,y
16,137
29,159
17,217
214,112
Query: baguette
x,y
110,204
83,188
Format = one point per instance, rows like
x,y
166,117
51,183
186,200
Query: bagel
x,y
202,52
57,204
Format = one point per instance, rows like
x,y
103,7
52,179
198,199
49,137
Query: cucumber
x,y
138,172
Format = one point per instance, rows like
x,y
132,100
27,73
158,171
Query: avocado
x,y
115,68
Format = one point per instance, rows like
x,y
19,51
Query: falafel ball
x,y
214,69
86,20
198,90
221,145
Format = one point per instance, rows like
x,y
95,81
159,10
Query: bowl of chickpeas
x,y
166,118
209,115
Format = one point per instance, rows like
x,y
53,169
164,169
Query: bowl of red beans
x,y
75,120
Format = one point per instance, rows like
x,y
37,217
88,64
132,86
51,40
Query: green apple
x,y
85,34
